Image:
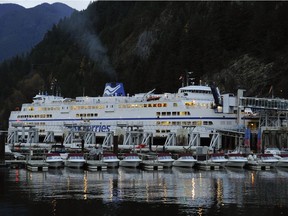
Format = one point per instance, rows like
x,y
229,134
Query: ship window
x,y
175,105
207,123
157,113
166,123
196,123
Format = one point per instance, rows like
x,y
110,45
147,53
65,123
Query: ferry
x,y
158,114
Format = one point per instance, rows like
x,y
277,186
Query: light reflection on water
x,y
190,192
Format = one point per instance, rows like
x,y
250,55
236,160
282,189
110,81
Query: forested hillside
x,y
150,45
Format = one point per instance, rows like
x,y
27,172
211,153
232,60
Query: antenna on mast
x,y
189,78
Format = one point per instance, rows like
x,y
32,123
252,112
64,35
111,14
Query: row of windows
x,y
86,115
35,123
163,131
173,113
193,104
35,116
101,107
184,123
43,108
142,105
48,108
196,91
87,107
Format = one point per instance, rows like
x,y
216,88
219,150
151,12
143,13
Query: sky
x,y
76,4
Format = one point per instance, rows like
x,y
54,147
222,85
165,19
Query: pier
x,y
36,165
151,165
204,165
95,165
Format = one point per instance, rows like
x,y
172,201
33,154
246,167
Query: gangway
x,y
194,138
108,140
49,138
147,138
271,112
12,136
215,142
170,140
264,103
89,138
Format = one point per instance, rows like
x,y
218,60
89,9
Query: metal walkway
x,y
264,103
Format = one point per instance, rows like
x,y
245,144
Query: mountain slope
x,y
21,29
150,45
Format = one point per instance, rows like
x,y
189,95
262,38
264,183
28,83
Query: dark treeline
x,y
150,45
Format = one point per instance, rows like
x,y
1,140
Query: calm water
x,y
134,192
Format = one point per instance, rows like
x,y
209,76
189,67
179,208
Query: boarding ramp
x,y
170,140
23,134
137,139
108,140
12,136
272,112
264,103
215,142
49,138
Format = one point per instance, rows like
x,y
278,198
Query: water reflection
x,y
194,192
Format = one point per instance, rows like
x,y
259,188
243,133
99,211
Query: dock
x,y
259,166
151,165
94,165
16,163
37,165
205,165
